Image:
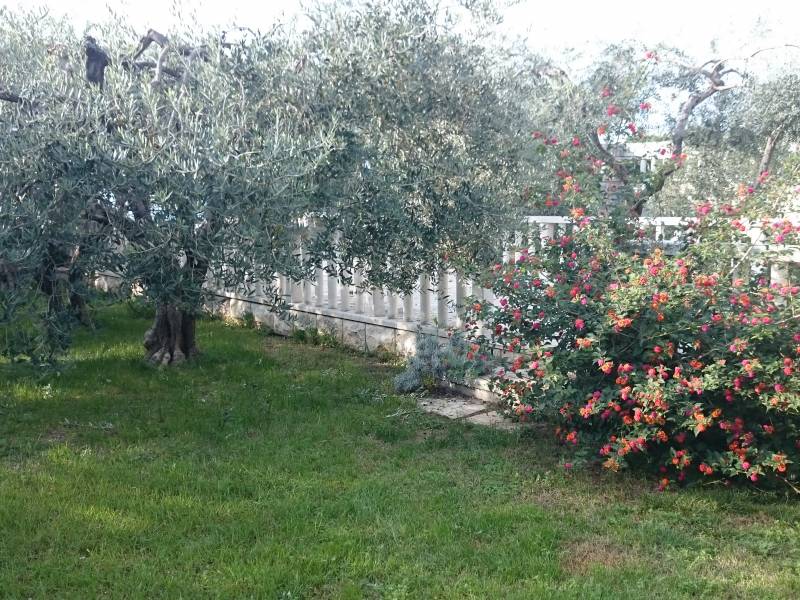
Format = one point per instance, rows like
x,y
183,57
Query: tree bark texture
x,y
171,339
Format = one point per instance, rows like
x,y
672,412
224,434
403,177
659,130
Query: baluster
x,y
517,250
460,297
286,289
358,278
441,297
391,305
425,298
378,305
296,291
408,307
319,276
331,286
308,292
659,231
344,296
779,273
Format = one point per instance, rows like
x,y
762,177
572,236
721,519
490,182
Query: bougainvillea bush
x,y
684,361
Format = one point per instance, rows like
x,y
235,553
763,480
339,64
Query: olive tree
x,y
50,233
382,139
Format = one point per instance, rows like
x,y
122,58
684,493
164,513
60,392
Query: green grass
x,y
273,469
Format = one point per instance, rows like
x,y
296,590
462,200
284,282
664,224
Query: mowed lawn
x,y
276,469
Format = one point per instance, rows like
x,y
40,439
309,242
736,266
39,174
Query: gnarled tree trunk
x,y
171,340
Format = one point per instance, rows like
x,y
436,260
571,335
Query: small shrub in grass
x,y
454,360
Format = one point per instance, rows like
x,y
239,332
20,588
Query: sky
x,y
550,26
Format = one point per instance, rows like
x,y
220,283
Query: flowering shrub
x,y
687,364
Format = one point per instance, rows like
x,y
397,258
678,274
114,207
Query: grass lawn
x,y
273,469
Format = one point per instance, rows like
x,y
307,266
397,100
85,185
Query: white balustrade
x,y
326,291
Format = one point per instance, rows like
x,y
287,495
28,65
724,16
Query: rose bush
x,y
685,362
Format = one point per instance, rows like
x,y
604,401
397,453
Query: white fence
x,y
369,318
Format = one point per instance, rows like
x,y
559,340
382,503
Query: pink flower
x,y
645,106
703,209
579,324
612,110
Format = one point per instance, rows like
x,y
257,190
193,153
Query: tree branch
x,y
96,61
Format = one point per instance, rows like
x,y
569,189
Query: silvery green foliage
x,y
436,361
381,139
432,137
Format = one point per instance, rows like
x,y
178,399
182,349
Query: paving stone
x,y
469,410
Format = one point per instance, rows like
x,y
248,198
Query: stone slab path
x,y
469,410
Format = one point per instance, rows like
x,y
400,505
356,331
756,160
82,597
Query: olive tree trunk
x,y
171,340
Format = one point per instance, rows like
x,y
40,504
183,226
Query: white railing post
x,y
441,297
378,305
460,297
297,291
425,298
358,278
286,288
516,251
391,304
779,273
319,278
331,287
408,307
344,296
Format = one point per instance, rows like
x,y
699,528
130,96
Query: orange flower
x,y
577,213
606,366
